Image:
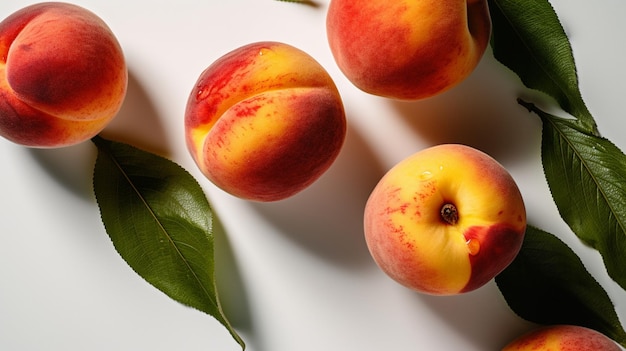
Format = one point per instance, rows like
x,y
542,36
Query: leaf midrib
x,y
589,171
152,213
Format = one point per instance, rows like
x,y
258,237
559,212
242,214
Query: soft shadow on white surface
x,y
231,288
138,122
327,217
480,316
480,112
71,167
230,284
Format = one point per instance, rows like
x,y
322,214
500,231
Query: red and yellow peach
x,y
264,121
63,75
407,49
562,338
445,220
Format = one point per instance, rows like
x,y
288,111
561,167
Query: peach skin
x,y
445,220
562,338
63,75
407,49
264,121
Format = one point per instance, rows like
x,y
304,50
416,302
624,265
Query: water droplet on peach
x,y
426,175
473,246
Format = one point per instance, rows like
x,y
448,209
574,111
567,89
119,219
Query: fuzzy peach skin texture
x,y
407,49
63,75
562,338
264,121
415,244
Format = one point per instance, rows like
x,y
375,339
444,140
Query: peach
x,y
445,220
264,121
407,49
562,338
63,75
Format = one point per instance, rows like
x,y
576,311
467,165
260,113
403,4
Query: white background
x,y
294,275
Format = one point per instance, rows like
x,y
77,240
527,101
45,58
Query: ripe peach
x,y
562,338
445,220
407,49
264,121
63,75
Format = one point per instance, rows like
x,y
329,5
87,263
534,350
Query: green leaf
x,y
587,178
548,284
159,221
304,2
528,39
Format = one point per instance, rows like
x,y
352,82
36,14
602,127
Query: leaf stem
x,y
528,105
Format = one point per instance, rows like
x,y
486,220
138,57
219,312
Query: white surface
x,y
294,275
